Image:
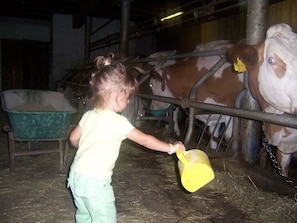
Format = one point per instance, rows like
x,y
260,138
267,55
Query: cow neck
x,y
169,86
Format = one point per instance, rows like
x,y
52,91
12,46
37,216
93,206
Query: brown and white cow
x,y
177,79
272,66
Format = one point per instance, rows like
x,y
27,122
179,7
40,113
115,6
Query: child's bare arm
x,y
153,143
75,136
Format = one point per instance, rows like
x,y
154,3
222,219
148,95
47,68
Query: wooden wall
x,y
285,11
233,27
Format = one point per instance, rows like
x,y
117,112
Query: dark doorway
x,y
25,64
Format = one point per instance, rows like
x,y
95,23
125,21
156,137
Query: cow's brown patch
x,y
253,76
287,133
248,54
185,74
280,67
271,129
222,90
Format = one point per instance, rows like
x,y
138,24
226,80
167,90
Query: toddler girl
x,y
98,137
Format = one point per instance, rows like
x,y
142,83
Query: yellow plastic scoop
x,y
194,168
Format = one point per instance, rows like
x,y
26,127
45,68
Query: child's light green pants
x,y
93,198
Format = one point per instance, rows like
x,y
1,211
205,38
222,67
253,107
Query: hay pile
x,y
147,190
160,197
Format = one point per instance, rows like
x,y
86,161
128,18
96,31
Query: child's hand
x,y
176,145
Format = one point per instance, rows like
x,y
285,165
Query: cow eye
x,y
151,85
271,60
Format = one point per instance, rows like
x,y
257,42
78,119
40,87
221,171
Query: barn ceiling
x,y
43,9
140,10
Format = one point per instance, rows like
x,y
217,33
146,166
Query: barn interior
x,y
45,42
139,11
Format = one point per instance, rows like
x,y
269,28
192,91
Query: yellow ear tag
x,y
239,66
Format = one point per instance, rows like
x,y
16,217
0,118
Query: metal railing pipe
x,y
283,119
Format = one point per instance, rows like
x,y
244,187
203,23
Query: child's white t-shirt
x,y
102,134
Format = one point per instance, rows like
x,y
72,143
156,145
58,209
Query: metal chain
x,y
277,166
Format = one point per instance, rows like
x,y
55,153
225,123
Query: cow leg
x,y
175,121
215,131
229,128
284,161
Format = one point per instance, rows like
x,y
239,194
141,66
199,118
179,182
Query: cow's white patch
x,y
159,64
277,76
157,90
211,101
168,77
210,61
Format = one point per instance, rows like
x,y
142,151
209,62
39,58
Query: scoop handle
x,y
181,156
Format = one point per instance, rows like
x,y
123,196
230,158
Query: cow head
x,y
273,68
157,81
158,85
154,70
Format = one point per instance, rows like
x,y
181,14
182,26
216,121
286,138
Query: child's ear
x,y
114,95
119,96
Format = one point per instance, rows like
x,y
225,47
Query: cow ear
x,y
154,74
148,67
246,53
134,71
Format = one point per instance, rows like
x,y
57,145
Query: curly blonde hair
x,y
109,78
